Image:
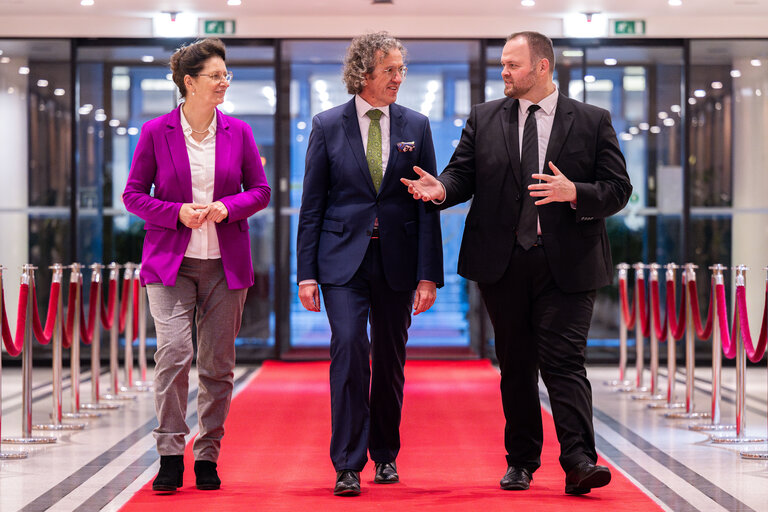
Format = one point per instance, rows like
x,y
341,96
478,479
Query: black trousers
x,y
538,327
366,393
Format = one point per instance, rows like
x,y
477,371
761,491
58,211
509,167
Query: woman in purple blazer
x,y
208,179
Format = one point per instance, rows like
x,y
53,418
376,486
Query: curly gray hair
x,y
363,55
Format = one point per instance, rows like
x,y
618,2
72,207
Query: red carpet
x,y
275,453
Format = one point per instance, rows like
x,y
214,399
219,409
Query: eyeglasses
x,y
218,77
392,72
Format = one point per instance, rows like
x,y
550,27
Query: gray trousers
x,y
200,295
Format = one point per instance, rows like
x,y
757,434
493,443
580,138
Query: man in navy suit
x,y
375,252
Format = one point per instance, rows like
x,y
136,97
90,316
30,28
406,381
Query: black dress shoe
x,y
171,474
585,476
386,473
516,479
347,483
206,477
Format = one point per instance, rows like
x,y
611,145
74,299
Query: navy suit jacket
x,y
339,203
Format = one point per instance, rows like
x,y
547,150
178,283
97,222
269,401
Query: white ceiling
x,y
543,8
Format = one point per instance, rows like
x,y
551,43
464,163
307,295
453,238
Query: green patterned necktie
x,y
373,151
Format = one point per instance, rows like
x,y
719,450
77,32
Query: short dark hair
x,y
190,59
540,46
362,57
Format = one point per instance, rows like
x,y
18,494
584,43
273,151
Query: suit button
x,y
368,233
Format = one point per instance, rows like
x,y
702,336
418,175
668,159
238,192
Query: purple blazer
x,y
161,160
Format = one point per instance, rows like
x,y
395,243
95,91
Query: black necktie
x,y
529,164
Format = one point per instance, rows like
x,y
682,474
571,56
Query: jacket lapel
x,y
561,126
177,146
396,129
223,150
510,129
352,131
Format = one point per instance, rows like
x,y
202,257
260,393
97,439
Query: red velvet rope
x,y
629,316
86,330
727,337
702,332
124,305
659,330
754,354
68,337
15,346
677,328
108,313
44,337
645,317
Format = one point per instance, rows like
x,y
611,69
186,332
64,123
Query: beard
x,y
519,88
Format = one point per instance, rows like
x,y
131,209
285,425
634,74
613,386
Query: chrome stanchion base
x,y
616,383
667,405
13,455
649,397
687,415
631,389
117,397
81,415
59,426
144,386
100,407
29,440
699,427
754,455
736,440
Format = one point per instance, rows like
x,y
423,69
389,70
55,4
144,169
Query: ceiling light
x,y
573,53
669,122
735,73
655,129
58,92
691,101
114,123
23,70
589,78
699,93
234,2
663,115
133,130
634,130
610,62
527,3
717,85
147,59
86,2
626,136
643,126
756,62
42,83
675,3
5,60
1,52
675,108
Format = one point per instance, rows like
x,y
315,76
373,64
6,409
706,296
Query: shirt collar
x,y
363,107
547,104
187,129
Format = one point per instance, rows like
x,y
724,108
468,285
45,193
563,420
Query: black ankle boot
x,y
170,476
206,477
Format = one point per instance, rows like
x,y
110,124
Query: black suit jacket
x,y
486,165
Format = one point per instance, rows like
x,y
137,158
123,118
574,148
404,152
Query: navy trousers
x,y
366,377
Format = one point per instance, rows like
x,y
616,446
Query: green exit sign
x,y
219,27
628,27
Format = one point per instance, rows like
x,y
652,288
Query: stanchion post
x,y
653,277
95,404
76,278
27,278
142,384
717,360
621,382
639,338
56,342
759,455
689,274
671,403
128,281
5,455
741,377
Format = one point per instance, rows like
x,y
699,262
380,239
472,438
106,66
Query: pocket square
x,y
404,147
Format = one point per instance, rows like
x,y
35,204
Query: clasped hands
x,y
193,215
551,188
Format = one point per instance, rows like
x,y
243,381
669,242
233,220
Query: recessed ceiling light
x,y
86,2
655,129
589,78
691,101
42,83
527,3
234,2
610,62
675,3
663,115
699,93
114,123
735,73
675,108
58,92
717,85
573,53
669,122
756,62
5,60
147,58
643,126
23,70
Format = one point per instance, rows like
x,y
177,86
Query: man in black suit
x,y
376,253
538,255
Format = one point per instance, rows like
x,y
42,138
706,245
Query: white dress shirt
x,y
364,121
203,244
545,118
